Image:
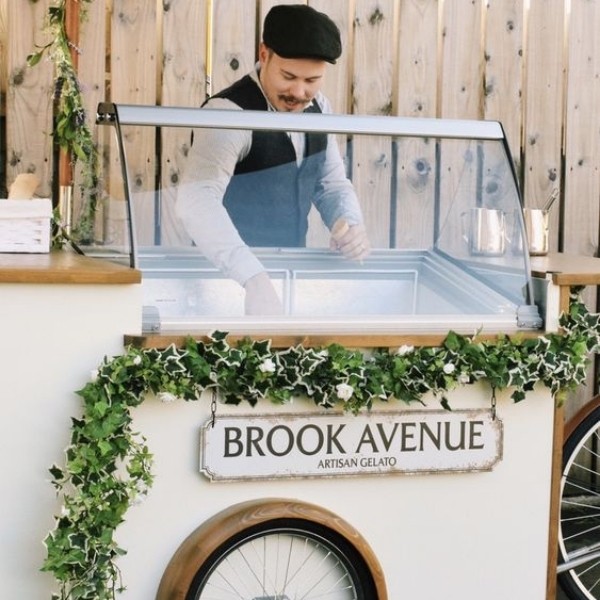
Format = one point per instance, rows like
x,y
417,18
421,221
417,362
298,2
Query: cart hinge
x,y
528,317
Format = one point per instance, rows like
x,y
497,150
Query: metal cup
x,y
486,231
536,226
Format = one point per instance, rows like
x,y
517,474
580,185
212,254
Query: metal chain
x,y
493,403
213,407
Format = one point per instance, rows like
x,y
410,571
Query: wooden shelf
x,y
567,269
63,267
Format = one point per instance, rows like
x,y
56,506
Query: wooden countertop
x,y
68,267
567,269
63,267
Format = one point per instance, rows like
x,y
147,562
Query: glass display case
x,y
202,200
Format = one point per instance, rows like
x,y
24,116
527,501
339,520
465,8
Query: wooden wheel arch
x,y
580,415
205,539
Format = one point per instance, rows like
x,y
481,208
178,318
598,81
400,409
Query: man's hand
x,y
261,297
350,240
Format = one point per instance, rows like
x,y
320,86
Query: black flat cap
x,y
299,31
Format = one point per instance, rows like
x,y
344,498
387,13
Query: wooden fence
x,y
534,65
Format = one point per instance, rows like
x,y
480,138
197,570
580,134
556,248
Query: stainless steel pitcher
x,y
536,226
485,231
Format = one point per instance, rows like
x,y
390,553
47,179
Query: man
x,y
244,188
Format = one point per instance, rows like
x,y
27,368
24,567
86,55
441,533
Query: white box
x,y
25,225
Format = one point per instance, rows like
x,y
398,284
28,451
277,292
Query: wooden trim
x,y
557,444
582,414
562,432
564,300
566,269
202,542
164,340
63,267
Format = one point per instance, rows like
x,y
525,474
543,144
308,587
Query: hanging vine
x,y
71,131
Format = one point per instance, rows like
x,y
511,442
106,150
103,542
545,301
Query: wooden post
x,y
65,164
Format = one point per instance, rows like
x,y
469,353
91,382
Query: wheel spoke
x,y
579,531
282,565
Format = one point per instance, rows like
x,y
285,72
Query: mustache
x,y
294,100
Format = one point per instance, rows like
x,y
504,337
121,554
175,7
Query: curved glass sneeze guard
x,y
438,199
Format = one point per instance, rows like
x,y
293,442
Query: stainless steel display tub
x,y
441,205
391,291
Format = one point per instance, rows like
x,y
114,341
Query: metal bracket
x,y
528,317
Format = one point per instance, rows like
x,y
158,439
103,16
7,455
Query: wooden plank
x,y
373,65
556,473
416,92
133,81
503,43
461,67
582,150
544,116
3,49
183,84
337,82
234,41
567,269
543,95
503,90
374,57
417,67
279,340
580,210
461,81
29,96
63,267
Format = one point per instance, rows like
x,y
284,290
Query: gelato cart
x,y
297,500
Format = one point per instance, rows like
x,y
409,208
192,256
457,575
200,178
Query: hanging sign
x,y
338,444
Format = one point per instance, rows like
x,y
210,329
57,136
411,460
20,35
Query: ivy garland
x,y
71,131
108,466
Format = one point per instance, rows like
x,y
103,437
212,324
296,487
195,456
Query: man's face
x,y
290,83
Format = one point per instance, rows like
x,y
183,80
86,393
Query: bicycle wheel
x,y
284,559
579,529
273,549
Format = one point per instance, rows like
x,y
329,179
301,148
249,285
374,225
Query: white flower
x,y
464,378
137,500
449,368
404,350
166,397
137,360
344,391
267,366
94,374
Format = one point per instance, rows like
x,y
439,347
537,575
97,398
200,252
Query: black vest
x,y
269,196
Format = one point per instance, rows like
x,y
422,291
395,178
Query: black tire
x,y
579,528
326,557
